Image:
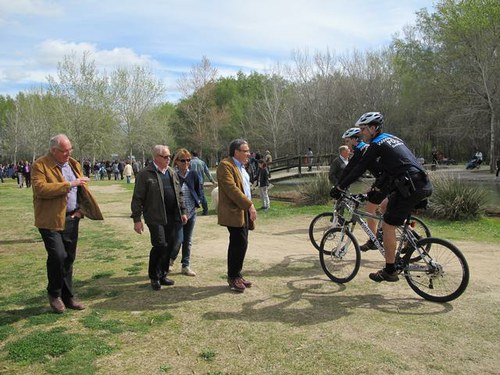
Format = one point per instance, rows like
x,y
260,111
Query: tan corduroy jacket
x,y
50,194
233,203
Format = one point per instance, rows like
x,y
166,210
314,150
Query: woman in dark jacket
x,y
191,189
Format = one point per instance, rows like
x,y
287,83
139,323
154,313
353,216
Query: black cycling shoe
x,y
383,275
369,245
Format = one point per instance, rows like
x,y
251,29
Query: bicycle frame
x,y
351,203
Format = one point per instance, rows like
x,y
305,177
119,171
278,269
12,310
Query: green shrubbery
x,y
315,192
453,199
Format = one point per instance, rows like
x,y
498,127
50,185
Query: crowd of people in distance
x,y
21,172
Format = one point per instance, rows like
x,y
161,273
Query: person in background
x,y
61,198
338,164
236,210
200,167
116,169
268,159
158,197
127,171
27,173
309,158
263,180
20,173
191,192
478,155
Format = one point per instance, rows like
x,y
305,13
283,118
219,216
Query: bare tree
x,y
83,103
198,106
135,92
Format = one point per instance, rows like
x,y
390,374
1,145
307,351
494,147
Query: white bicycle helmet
x,y
351,133
371,118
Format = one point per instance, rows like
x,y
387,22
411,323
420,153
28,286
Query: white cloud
x,y
50,52
40,8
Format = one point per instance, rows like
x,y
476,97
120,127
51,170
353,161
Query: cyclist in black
x,y
402,177
352,138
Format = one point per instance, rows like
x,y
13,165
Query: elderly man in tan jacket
x,y
236,210
61,198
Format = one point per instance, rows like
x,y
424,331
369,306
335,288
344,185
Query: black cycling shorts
x,y
398,208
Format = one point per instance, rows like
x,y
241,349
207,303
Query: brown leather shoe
x,y
74,304
248,284
56,304
236,285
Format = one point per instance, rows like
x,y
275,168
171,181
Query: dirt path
x,y
278,241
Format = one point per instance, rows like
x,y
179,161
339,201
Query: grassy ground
x,y
294,321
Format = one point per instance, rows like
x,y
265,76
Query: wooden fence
x,y
286,163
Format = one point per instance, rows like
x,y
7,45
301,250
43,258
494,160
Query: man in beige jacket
x,y
61,198
236,210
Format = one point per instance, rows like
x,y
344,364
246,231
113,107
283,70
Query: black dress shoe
x,y
155,284
167,281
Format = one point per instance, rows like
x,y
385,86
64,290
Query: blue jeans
x,y
185,239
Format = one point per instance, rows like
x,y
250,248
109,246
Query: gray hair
x,y
158,149
342,148
55,141
235,145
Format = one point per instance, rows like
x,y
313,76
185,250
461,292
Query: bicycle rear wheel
x,y
419,228
319,225
339,255
440,274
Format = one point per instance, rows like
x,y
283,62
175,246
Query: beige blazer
x,y
50,194
233,203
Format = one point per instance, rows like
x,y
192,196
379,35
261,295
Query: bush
x,y
452,199
315,192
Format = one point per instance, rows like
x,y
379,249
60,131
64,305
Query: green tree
x,y
455,54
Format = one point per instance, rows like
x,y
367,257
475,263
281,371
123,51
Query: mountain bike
x,y
434,268
326,220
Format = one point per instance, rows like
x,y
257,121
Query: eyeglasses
x,y
166,157
185,160
246,151
66,151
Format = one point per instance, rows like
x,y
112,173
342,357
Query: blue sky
x,y
170,36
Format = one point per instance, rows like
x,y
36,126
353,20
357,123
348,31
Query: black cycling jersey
x,y
358,152
386,153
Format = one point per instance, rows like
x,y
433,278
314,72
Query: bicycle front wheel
x,y
440,272
319,225
339,255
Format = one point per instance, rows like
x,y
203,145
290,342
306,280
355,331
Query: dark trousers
x,y
61,254
238,243
164,240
